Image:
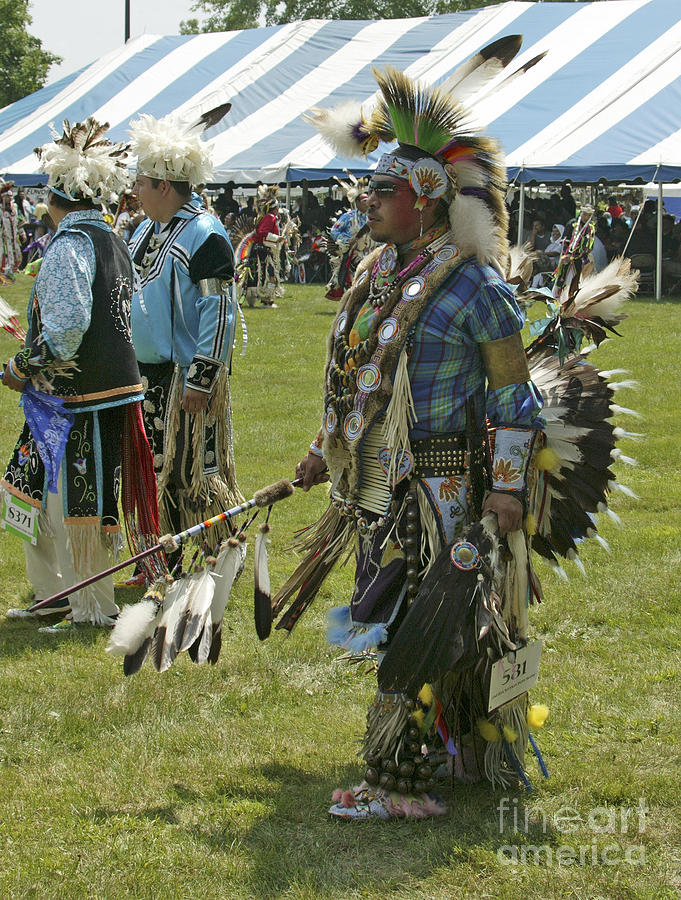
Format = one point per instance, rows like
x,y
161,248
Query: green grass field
x,y
213,782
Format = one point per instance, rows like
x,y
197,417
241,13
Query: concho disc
x,y
368,378
388,331
464,556
413,288
445,253
353,425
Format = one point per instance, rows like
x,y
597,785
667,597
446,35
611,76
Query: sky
x,y
83,30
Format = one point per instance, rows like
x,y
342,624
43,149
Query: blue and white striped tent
x,y
603,103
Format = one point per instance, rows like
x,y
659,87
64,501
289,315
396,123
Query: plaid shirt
x,y
473,306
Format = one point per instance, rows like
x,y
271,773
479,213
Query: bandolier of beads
x,y
411,545
347,360
410,772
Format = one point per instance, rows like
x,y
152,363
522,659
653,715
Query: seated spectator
x,y
539,239
617,239
225,202
643,238
548,260
670,242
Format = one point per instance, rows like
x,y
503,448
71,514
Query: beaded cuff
x,y
512,452
33,358
203,373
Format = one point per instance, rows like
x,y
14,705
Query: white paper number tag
x,y
20,518
514,674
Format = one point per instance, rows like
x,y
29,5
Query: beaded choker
x,y
435,232
386,275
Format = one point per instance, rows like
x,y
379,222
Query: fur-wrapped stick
x,y
264,497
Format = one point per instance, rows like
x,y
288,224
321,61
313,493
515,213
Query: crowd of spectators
x,y
621,227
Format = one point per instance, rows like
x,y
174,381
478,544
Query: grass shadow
x,y
294,842
16,638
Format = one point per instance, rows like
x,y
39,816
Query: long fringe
x,y
386,726
512,717
400,417
207,495
516,587
431,543
323,544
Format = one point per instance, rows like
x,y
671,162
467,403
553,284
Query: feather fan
x,y
600,296
132,634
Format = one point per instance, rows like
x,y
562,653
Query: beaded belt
x,y
443,455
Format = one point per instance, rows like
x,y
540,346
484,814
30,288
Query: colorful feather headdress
x,y
83,164
353,187
267,198
171,148
438,152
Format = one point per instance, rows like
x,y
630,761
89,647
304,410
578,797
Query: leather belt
x,y
443,455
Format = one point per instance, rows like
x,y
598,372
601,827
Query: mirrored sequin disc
x,y
413,288
464,556
331,420
388,331
445,253
368,377
353,425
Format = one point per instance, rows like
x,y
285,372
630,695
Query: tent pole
x,y
288,196
658,258
521,215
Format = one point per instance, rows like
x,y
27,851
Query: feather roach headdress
x,y
353,187
82,163
438,152
171,148
267,198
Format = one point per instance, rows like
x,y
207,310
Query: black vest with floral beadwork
x,y
107,367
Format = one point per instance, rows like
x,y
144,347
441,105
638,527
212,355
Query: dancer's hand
x,y
14,384
194,401
508,510
312,469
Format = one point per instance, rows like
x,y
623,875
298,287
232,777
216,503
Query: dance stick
x,y
264,497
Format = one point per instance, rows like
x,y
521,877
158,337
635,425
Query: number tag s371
x,y
20,518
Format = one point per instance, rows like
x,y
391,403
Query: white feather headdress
x,y
168,149
82,163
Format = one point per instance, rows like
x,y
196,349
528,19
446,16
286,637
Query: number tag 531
x,y
514,674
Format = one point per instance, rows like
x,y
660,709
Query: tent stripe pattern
x,y
601,104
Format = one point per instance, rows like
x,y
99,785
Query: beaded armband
x,y
33,358
15,372
203,373
512,452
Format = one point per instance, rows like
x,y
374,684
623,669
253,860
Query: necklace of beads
x,y
385,290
